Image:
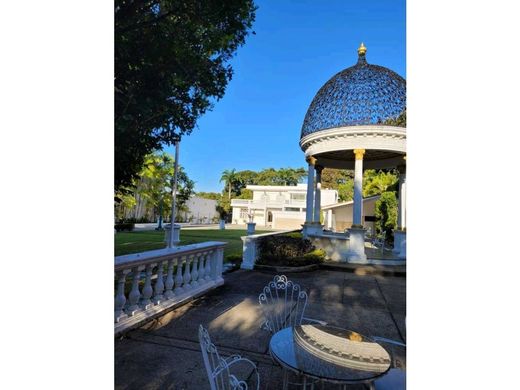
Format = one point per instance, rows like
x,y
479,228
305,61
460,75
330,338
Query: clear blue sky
x,y
298,46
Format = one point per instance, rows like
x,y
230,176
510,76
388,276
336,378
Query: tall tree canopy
x,y
151,192
171,63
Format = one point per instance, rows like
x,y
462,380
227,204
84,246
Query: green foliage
x,y
346,191
171,63
209,195
153,187
288,250
234,259
245,194
386,213
316,256
398,121
295,235
230,178
377,182
124,226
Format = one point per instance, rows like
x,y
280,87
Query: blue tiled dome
x,y
363,94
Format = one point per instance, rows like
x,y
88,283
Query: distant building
x,y
279,207
200,210
338,217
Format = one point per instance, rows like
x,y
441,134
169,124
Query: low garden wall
x,y
250,247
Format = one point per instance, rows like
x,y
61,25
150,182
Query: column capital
x,y
359,153
311,160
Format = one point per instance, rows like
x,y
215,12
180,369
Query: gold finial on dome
x,y
362,49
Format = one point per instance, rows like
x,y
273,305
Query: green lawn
x,y
134,242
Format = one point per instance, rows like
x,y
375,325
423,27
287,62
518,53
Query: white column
x,y
401,207
329,219
310,190
358,187
317,196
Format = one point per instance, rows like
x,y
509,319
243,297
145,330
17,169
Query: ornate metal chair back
x,y
283,303
216,367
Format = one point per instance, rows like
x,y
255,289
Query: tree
x,y
229,177
209,195
171,65
375,183
152,189
386,214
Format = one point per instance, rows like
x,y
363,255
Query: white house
x,y
279,207
200,210
339,217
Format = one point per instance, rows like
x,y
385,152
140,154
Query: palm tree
x,y
229,177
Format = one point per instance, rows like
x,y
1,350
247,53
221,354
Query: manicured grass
x,y
134,242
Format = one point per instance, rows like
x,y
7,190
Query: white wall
x,y
201,210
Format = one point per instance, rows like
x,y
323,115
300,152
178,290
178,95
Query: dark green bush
x,y
125,226
234,259
288,250
295,235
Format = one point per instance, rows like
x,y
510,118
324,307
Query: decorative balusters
x,y
187,274
194,270
135,294
120,298
202,267
178,279
169,279
147,289
175,274
207,273
159,284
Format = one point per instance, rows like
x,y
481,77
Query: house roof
x,y
341,204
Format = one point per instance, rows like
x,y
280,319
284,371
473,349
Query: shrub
x,y
295,235
234,259
316,256
281,247
288,250
125,226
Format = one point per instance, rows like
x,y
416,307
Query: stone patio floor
x,y
165,353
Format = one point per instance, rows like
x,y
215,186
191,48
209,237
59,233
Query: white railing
x,y
149,283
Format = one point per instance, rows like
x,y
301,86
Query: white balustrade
x,y
194,271
171,277
187,274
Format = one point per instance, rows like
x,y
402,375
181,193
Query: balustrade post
x,y
178,279
147,289
194,270
202,267
159,284
208,256
120,298
187,274
169,279
135,294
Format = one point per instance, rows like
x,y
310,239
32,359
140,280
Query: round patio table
x,y
328,354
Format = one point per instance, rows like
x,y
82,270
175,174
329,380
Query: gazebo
x,y
352,124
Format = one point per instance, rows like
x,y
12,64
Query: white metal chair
x,y
283,304
218,368
395,379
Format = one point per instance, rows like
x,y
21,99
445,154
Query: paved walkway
x,y
165,354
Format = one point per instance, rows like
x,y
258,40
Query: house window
x,y
292,209
243,213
